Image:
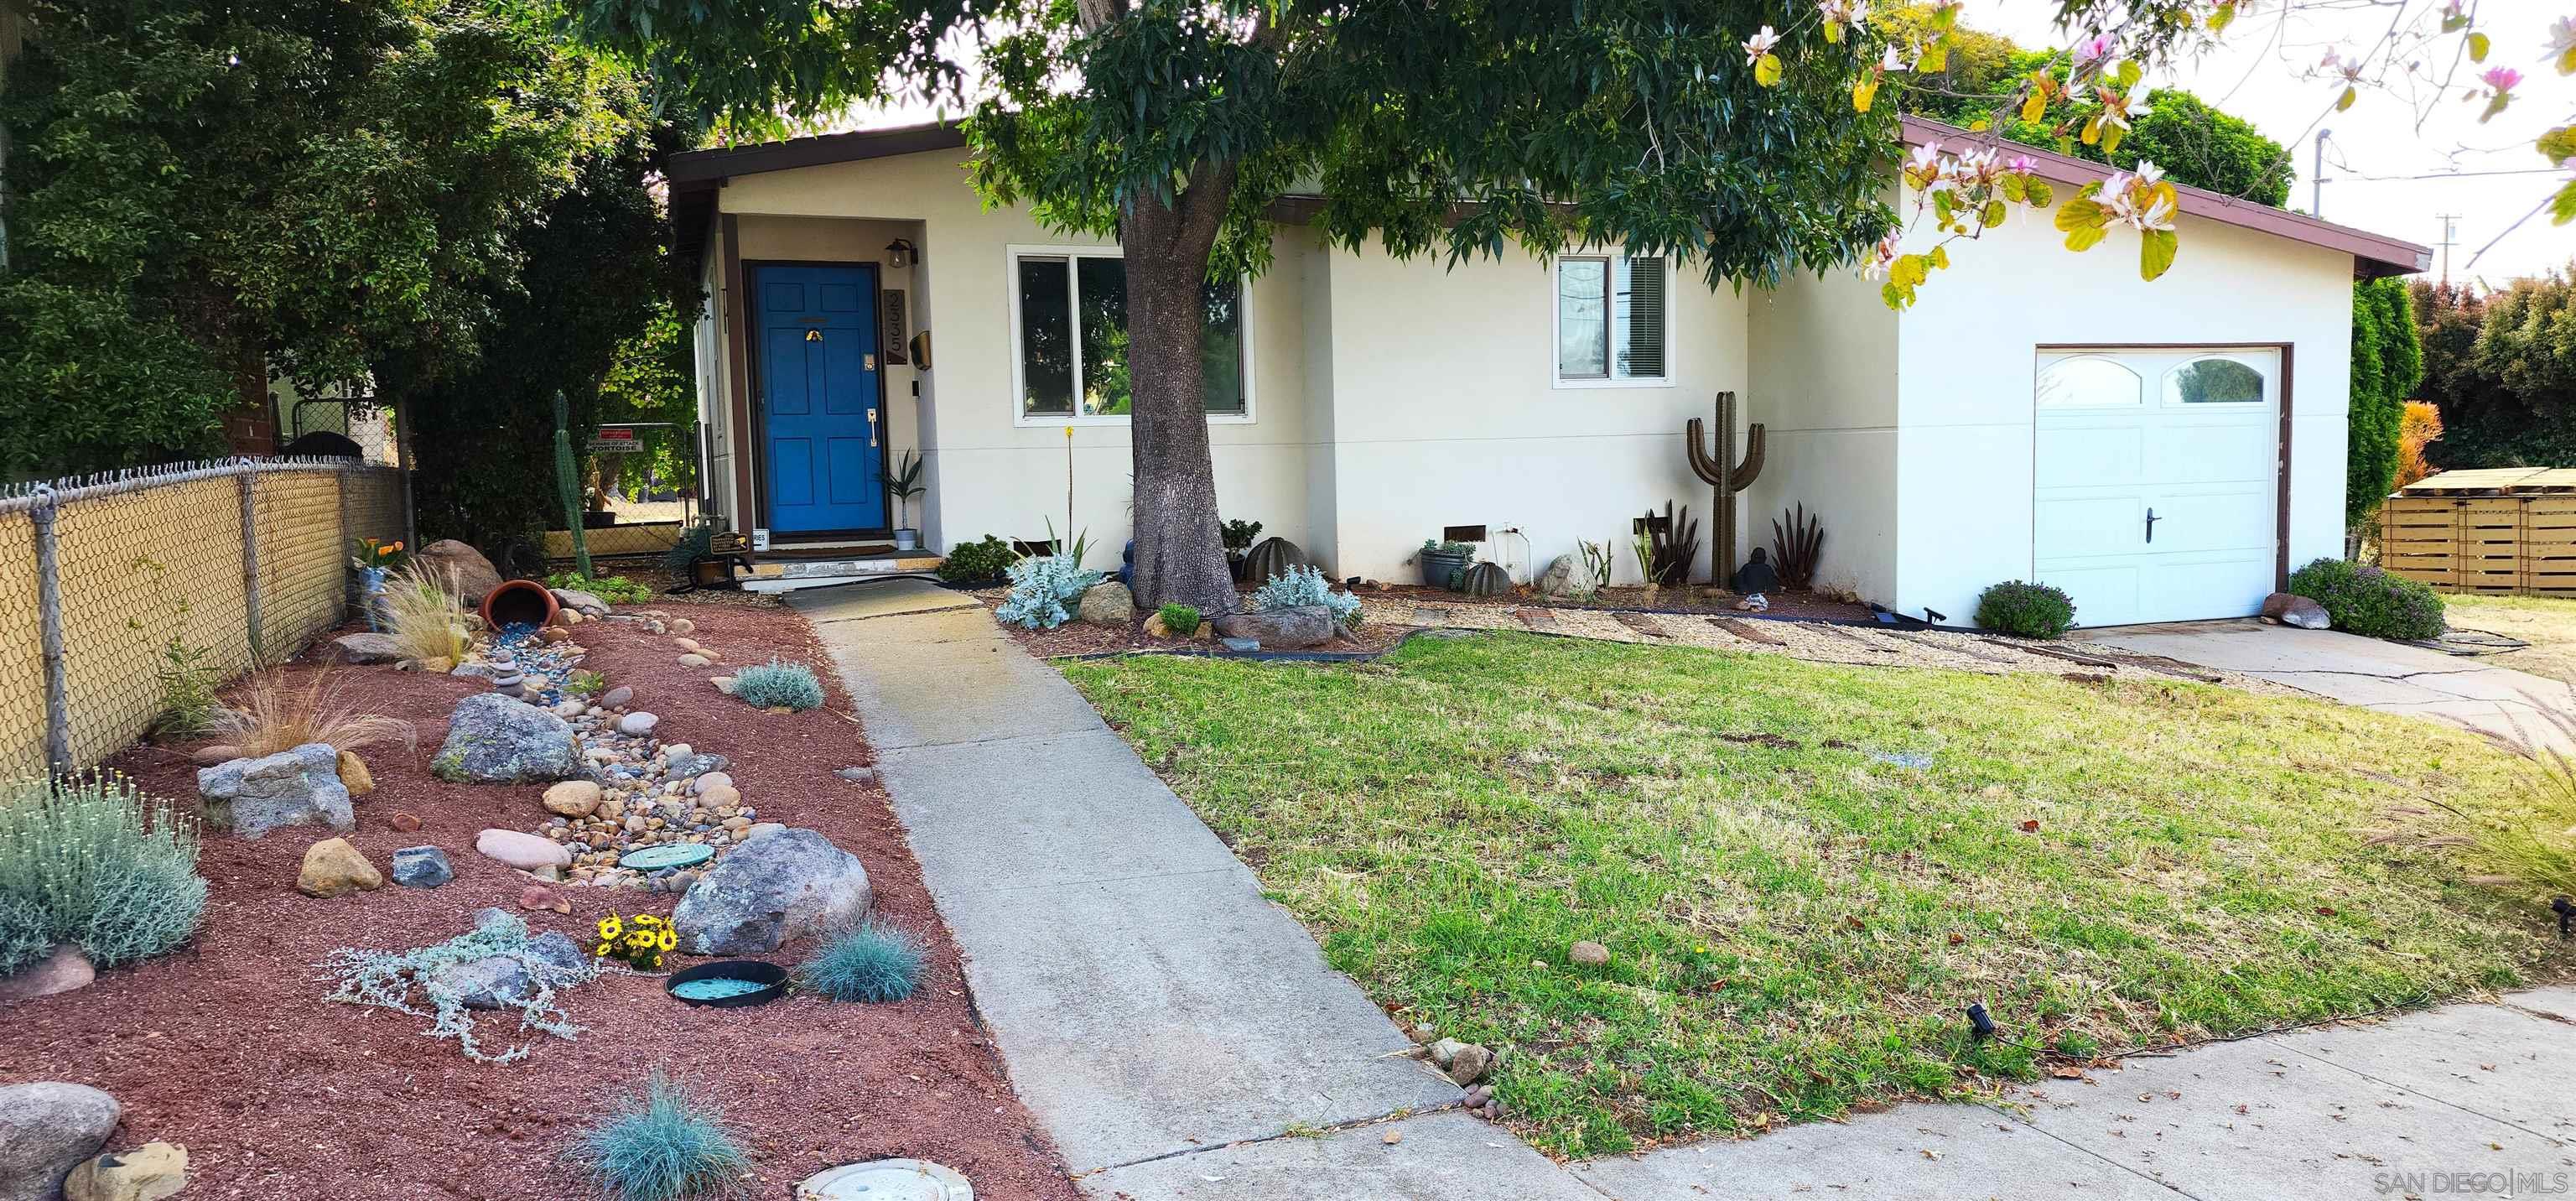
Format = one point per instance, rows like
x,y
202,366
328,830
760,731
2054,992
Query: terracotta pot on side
x,y
519,601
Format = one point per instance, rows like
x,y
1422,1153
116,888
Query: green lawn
x,y
2547,623
1796,924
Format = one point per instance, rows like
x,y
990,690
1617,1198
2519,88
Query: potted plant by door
x,y
906,485
1444,562
1238,537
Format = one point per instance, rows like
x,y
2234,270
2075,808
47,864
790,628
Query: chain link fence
x,y
106,582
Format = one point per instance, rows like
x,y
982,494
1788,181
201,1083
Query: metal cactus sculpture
x,y
1718,469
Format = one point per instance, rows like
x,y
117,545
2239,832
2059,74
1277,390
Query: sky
x,y
2261,73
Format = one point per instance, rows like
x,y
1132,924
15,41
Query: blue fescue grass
x,y
868,962
790,684
661,1145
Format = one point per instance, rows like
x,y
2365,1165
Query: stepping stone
x,y
1643,623
1537,619
1746,630
1425,615
1849,636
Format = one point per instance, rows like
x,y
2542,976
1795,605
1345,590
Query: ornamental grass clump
x,y
425,617
871,961
1041,587
776,685
2369,601
274,714
1303,584
91,860
661,1145
2026,610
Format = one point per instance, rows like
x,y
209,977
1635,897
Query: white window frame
x,y
1020,417
1556,327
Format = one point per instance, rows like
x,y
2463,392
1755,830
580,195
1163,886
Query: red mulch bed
x,y
227,1046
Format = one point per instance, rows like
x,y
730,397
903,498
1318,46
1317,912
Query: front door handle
x,y
2152,519
872,431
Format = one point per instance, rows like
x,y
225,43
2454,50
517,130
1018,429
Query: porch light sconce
x,y
901,253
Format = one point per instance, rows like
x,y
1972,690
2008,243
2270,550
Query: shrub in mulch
x,y
2370,601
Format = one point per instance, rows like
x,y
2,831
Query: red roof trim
x,y
2373,255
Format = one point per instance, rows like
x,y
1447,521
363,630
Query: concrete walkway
x,y
1181,1038
2392,677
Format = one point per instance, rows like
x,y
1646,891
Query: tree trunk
x,y
1179,555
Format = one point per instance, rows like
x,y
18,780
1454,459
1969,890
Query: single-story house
x,y
2163,450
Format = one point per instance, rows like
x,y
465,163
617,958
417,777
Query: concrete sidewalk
x,y
2391,677
1181,1038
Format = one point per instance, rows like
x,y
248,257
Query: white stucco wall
x,y
1966,366
1446,411
1824,387
987,472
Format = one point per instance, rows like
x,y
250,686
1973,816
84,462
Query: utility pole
x,y
2450,238
2317,177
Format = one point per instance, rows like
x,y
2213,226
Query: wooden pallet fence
x,y
2494,545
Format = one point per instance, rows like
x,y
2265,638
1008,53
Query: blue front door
x,y
823,414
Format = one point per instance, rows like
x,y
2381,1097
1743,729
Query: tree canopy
x,y
203,194
2502,370
2195,142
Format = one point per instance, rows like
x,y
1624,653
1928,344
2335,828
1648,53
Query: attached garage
x,y
2156,479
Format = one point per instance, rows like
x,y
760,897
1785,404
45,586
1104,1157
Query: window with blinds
x,y
1612,320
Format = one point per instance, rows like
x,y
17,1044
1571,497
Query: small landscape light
x,y
1979,1021
2566,911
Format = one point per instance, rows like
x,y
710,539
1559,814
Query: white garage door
x,y
2157,481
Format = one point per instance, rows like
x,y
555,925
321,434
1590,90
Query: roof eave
x,y
2373,255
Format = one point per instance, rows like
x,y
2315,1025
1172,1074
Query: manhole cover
x,y
886,1180
669,854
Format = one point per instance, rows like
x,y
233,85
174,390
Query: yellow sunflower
x,y
668,940
610,927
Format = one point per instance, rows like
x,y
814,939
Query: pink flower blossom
x,y
1760,44
2093,47
2502,79
2021,164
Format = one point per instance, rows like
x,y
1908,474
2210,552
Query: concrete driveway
x,y
2392,677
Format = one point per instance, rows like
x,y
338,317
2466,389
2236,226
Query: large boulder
x,y
460,568
1562,577
1294,628
773,888
46,1129
2291,609
495,739
422,867
1107,603
299,787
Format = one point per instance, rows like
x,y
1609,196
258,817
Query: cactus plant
x,y
1713,469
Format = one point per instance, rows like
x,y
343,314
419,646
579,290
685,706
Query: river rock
x,y
1107,603
636,725
354,775
214,754
296,787
579,601
460,568
1297,627
147,1173
61,970
333,868
527,852
616,698
493,739
2291,609
772,889
365,647
46,1129
422,867
572,798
